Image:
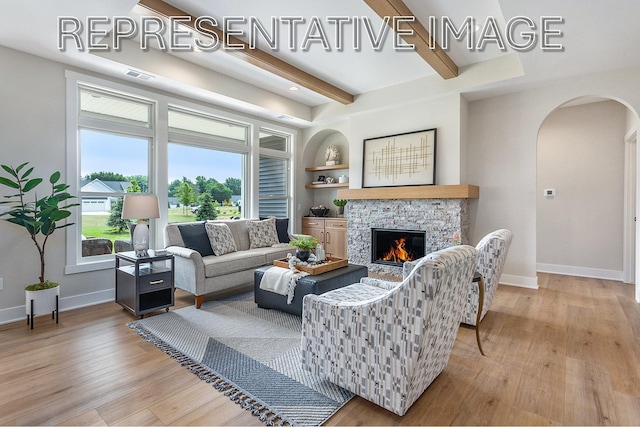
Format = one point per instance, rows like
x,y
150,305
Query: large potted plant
x,y
40,217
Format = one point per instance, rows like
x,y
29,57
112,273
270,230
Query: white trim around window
x,y
158,178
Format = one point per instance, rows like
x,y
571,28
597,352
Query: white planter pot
x,y
44,301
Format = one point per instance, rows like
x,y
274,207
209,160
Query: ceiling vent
x,y
139,75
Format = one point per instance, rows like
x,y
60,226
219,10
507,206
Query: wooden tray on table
x,y
330,263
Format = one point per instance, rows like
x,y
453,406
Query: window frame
x,y
281,155
158,156
190,139
76,83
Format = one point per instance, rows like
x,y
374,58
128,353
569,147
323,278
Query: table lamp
x,y
140,207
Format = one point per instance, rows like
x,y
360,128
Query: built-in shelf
x,y
344,184
327,168
464,191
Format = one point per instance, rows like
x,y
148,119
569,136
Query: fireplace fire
x,y
394,247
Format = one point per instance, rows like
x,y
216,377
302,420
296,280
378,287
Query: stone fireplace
x,y
426,209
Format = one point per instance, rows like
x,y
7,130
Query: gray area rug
x,y
249,353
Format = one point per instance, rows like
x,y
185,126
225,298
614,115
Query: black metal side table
x,y
144,284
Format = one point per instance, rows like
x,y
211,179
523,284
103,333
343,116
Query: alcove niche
x,y
314,163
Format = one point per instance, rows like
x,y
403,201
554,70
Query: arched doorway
x,y
586,187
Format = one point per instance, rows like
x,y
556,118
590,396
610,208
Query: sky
x,y
102,152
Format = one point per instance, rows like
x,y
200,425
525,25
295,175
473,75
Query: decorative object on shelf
x,y
343,179
330,180
340,203
304,245
319,210
332,155
400,160
321,180
40,218
141,207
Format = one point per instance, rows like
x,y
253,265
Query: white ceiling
x,y
596,37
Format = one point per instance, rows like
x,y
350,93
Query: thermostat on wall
x,y
549,192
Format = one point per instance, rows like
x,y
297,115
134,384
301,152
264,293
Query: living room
x,y
489,135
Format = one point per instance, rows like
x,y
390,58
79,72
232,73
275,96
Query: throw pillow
x,y
195,237
282,228
262,234
220,238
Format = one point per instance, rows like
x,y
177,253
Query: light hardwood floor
x,y
568,353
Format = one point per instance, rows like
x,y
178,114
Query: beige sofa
x,y
201,275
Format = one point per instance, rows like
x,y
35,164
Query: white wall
x,y
442,113
32,123
581,156
502,143
632,122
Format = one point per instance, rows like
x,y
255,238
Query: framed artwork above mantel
x,y
403,159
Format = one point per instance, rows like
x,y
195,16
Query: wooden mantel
x,y
464,191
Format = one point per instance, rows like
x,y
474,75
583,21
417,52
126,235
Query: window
x,y
123,139
115,145
195,171
206,164
273,175
201,125
273,141
117,109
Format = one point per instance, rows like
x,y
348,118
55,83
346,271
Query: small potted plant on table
x,y
340,203
304,245
40,218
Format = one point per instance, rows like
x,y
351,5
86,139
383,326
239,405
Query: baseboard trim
x,y
15,314
519,281
595,273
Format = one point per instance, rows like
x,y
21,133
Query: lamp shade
x,y
140,206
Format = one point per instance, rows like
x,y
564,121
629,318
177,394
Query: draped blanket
x,y
282,281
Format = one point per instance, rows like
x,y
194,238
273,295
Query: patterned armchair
x,y
387,341
493,250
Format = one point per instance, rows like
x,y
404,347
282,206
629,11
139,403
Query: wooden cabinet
x,y
330,232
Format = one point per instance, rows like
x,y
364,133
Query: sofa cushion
x,y
233,262
282,229
263,233
275,252
240,233
220,238
195,237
